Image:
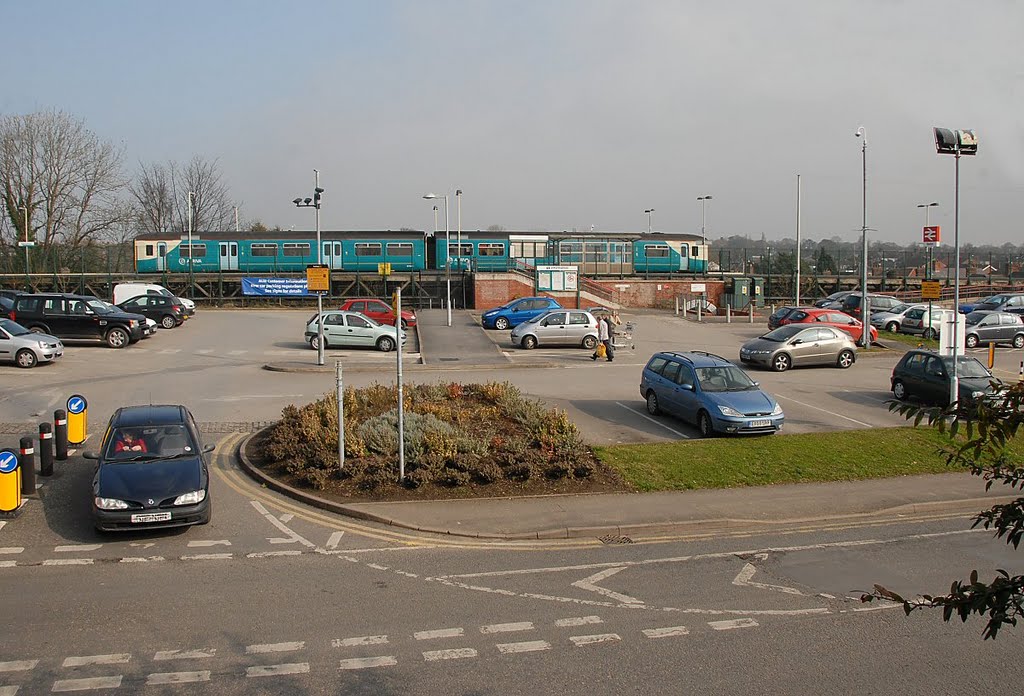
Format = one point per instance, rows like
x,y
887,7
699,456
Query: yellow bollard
x,y
78,419
10,481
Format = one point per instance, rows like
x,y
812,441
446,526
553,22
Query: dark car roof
x,y
148,415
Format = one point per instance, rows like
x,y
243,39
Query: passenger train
x,y
594,253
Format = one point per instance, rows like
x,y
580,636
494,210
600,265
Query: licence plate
x,y
151,517
764,423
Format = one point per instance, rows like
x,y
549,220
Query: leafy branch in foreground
x,y
979,434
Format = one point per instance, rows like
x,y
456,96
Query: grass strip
x,y
760,461
908,339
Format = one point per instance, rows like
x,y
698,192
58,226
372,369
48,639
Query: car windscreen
x,y
13,327
900,308
99,306
783,333
141,443
968,368
974,317
722,379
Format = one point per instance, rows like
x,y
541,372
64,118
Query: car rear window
x,y
797,316
656,365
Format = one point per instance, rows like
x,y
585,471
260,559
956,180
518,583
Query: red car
x,y
833,318
378,310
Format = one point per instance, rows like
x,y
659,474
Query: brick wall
x,y
494,289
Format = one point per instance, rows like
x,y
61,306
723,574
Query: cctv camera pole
x,y
954,382
319,251
796,297
865,304
401,397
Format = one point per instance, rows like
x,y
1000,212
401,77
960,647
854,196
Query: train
x,y
593,253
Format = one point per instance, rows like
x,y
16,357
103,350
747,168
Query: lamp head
x,y
297,201
430,196
458,192
308,201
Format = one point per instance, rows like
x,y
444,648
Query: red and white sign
x,y
932,235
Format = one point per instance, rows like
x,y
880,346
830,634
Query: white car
x,y
890,320
25,348
344,329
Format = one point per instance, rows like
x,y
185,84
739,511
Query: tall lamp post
x,y
447,255
956,143
865,301
649,212
458,244
314,203
703,218
191,222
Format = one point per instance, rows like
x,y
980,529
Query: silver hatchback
x,y
793,345
25,348
565,327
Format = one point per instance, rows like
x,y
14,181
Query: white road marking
x,y
274,647
439,633
184,654
237,352
580,641
8,564
281,540
332,541
86,684
579,621
365,662
507,627
76,547
277,670
291,536
67,561
666,632
748,571
141,559
208,542
12,549
588,583
656,422
169,351
526,646
208,557
204,351
18,665
9,690
144,545
817,408
286,517
361,640
117,659
269,554
377,566
454,654
876,607
178,677
732,623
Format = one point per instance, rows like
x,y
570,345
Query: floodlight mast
x,y
314,203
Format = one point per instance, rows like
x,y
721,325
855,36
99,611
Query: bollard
x,y
728,313
60,434
700,315
28,467
751,311
45,449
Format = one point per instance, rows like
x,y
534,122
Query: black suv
x,y
76,317
879,303
166,311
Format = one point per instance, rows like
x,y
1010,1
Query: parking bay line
x,y
823,410
644,415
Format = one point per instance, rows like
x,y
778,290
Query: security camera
x,y
318,190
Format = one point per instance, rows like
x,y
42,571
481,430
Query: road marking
x,y
141,559
204,351
116,659
184,654
439,633
526,646
208,542
8,564
286,517
454,654
666,632
732,623
178,677
748,571
237,352
274,647
77,547
291,536
208,557
580,641
277,670
656,422
332,541
365,662
269,554
377,566
507,627
588,583
169,351
67,561
361,640
817,408
12,549
579,621
87,684
18,665
9,690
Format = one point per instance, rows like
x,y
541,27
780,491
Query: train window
x,y
368,248
656,251
399,249
149,250
295,249
463,249
527,250
186,251
491,250
262,249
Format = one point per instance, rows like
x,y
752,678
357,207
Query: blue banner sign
x,y
274,286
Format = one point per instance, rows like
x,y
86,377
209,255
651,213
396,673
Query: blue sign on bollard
x,y
76,404
8,461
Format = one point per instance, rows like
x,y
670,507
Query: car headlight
x,y
42,344
777,411
110,504
190,498
726,411
977,394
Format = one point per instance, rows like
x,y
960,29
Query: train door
x,y
332,255
229,256
161,256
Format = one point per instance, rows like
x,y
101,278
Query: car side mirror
x,y
796,341
209,448
89,454
687,387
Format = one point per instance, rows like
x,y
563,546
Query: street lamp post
x,y
865,301
28,283
447,255
703,219
931,246
649,212
458,246
314,203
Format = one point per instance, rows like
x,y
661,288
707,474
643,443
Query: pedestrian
x,y
609,343
603,336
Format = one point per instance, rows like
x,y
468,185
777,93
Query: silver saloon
x,y
565,327
352,330
794,345
25,348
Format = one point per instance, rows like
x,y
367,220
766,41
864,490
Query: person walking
x,y
609,343
603,339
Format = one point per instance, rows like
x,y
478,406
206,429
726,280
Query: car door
x,y
988,328
845,323
912,374
578,328
521,311
79,318
334,328
379,312
359,331
6,346
138,305
668,388
935,380
688,404
551,329
1010,326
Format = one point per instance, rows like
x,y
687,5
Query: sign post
x,y
318,280
78,419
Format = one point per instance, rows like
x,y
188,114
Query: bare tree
x,y
154,197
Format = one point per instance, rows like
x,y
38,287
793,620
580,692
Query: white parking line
x,y
208,557
644,415
365,662
8,564
277,670
507,627
732,623
274,647
579,621
184,654
580,641
270,554
178,677
9,690
86,684
818,408
666,632
77,547
361,640
526,646
208,542
12,549
67,561
454,654
439,633
18,665
118,659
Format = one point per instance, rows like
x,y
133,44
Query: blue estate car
x,y
710,392
517,311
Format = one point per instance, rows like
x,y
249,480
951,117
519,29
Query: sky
x,y
556,114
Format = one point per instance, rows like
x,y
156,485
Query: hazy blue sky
x,y
552,114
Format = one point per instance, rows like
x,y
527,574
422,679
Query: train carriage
x,y
482,250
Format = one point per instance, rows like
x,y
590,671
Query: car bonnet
x,y
753,401
140,481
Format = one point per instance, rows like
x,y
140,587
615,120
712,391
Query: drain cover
x,y
611,539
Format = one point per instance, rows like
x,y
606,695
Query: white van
x,y
126,291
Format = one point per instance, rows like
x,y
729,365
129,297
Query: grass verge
x,y
915,341
813,457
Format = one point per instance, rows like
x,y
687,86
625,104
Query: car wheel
x,y
704,424
168,322
652,403
385,344
405,325
529,342
845,359
929,334
26,358
314,343
38,329
971,341
118,337
1018,341
892,326
899,390
781,362
501,323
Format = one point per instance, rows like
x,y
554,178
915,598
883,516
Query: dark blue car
x,y
710,392
518,311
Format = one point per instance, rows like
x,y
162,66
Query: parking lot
x,y
216,364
